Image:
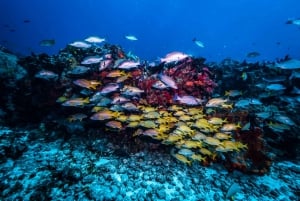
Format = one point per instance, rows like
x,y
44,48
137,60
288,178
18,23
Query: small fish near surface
x,y
174,57
131,37
198,43
47,42
94,39
80,44
253,54
293,21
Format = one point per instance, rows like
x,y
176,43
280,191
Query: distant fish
x,y
167,81
46,75
174,57
293,21
275,79
80,44
26,21
275,87
198,43
131,37
289,64
253,54
47,42
94,39
91,60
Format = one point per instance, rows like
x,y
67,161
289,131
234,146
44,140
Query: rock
x,y
9,67
161,194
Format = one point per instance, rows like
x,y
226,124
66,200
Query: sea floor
x,y
36,167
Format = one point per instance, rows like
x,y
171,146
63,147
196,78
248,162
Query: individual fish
x,y
91,60
114,124
109,88
104,102
127,65
80,44
233,93
131,91
215,102
253,54
46,75
131,37
89,84
115,73
293,21
160,85
47,42
275,87
295,91
173,57
167,81
188,100
198,43
183,159
129,106
78,70
294,75
105,64
104,115
284,120
120,100
76,102
94,39
244,76
289,64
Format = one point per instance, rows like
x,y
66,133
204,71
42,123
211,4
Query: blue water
x,y
227,28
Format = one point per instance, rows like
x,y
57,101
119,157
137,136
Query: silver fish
x,y
111,87
188,100
173,57
289,65
293,21
91,60
94,39
167,81
275,87
80,44
129,65
131,37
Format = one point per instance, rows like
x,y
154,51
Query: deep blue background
x,y
228,28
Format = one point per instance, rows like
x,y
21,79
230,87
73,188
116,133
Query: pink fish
x,y
128,65
167,81
91,60
188,100
174,57
111,87
105,64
